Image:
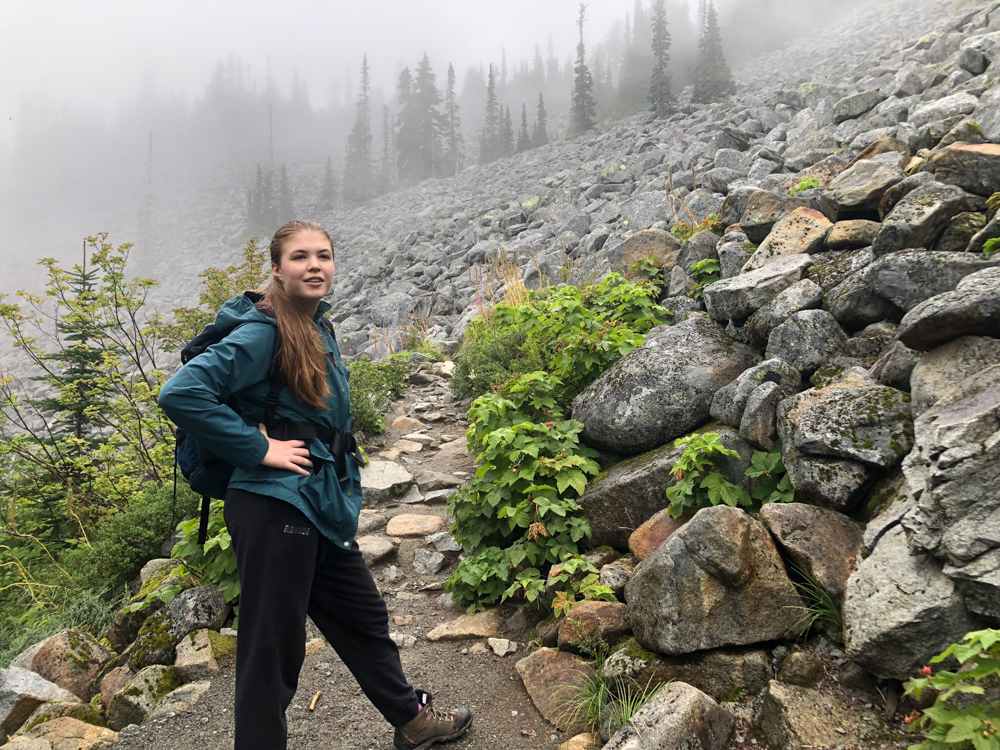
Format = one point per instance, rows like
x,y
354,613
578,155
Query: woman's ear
x,y
275,271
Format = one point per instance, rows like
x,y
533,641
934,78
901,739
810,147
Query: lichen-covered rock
x,y
852,234
195,660
960,232
834,267
758,425
21,692
856,105
765,209
655,243
834,483
193,609
973,309
591,622
65,733
987,114
617,574
634,491
679,716
724,674
940,370
553,680
701,246
869,343
822,543
860,187
661,390
854,303
740,296
802,232
718,581
794,717
179,700
895,367
132,703
974,167
900,609
802,295
919,218
852,418
908,278
57,710
733,255
729,403
806,340
954,472
71,659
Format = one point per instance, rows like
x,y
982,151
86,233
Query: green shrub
x,y
704,272
684,231
573,333
373,385
216,561
701,485
953,723
809,183
517,516
992,246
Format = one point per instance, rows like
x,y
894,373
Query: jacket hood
x,y
242,309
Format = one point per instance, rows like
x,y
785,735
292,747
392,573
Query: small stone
x,y
480,625
408,423
502,646
427,562
375,549
403,640
409,524
407,446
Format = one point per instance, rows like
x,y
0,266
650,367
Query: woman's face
x,y
306,266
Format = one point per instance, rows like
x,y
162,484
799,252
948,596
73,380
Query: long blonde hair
x,y
301,353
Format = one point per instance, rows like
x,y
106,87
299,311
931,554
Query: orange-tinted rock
x,y
554,680
652,534
589,623
411,524
71,659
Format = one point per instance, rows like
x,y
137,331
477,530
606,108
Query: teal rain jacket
x,y
194,398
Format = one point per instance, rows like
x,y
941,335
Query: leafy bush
x,y
992,246
701,485
216,561
704,272
575,334
518,515
577,576
373,385
956,724
808,183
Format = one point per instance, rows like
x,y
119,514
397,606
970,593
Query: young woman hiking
x,y
291,517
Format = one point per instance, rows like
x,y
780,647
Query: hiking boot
x,y
431,725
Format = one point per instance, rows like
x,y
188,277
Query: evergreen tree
x,y
358,172
286,212
552,67
583,109
387,167
489,142
453,127
523,136
420,152
329,194
660,95
538,70
506,133
713,80
539,133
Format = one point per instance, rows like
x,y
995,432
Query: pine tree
x,y
506,133
660,95
489,142
539,133
538,70
453,127
286,212
429,122
405,134
523,136
387,167
713,80
358,172
584,109
329,194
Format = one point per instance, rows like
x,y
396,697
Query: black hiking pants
x,y
288,570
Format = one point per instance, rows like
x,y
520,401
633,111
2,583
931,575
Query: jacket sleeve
x,y
194,397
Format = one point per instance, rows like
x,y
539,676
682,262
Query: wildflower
x,y
926,671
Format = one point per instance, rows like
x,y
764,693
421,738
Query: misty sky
x,y
95,52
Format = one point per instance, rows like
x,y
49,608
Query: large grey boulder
x,y
133,703
908,278
661,390
194,609
701,246
738,297
856,105
680,716
974,167
822,543
954,472
854,303
806,340
765,209
972,309
852,418
384,481
919,218
717,581
940,370
634,490
794,717
835,483
860,187
759,425
802,295
895,366
941,109
729,403
645,209
21,692
900,609
987,114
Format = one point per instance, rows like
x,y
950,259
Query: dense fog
x,y
140,119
